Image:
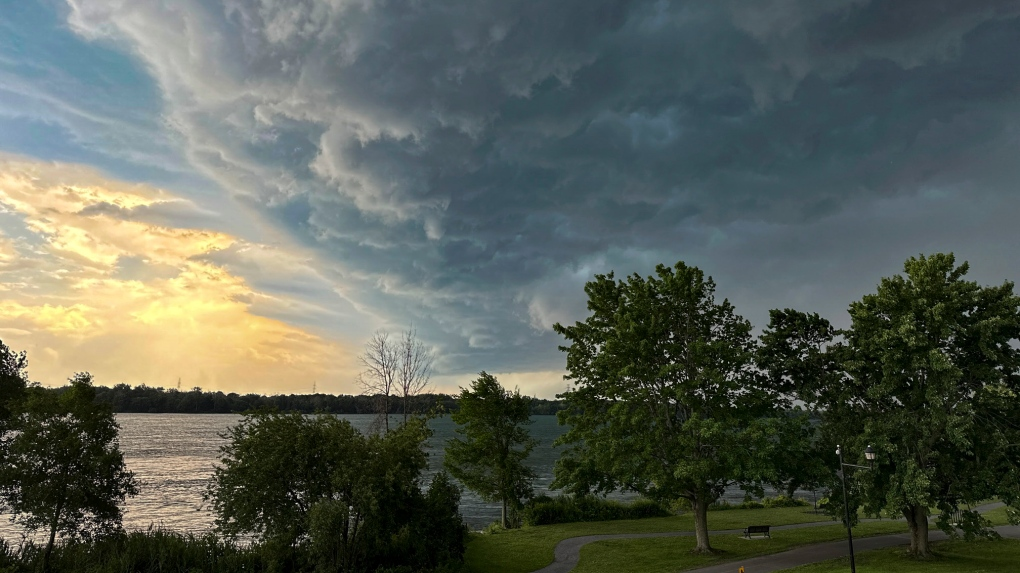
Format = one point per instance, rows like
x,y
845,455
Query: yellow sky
x,y
88,283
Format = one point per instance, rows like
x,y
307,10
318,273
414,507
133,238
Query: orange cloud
x,y
177,316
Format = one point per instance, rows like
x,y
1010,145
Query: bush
x,y
765,503
328,497
784,501
544,510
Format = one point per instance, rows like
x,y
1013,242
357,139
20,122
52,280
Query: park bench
x,y
955,517
762,530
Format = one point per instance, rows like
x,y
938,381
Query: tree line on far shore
x,y
142,399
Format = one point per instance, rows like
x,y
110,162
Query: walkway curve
x,y
808,554
568,551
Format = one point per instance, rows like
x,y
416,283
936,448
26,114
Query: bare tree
x,y
401,368
381,363
415,369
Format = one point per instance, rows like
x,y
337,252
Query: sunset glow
x,y
90,285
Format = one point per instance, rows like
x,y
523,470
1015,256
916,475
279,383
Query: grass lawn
x,y
674,554
997,516
951,557
531,548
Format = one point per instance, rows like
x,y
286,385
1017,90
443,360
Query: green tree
x,y
795,356
288,479
13,381
489,458
65,472
931,381
666,399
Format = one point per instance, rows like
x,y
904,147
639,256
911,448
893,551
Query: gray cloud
x,y
468,165
170,213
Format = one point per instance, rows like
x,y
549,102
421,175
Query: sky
x,y
237,194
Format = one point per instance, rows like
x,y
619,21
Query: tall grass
x,y
545,510
153,551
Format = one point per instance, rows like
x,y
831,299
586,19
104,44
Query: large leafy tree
x,y
795,355
489,457
65,472
931,381
287,479
667,401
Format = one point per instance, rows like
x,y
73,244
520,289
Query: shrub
x,y
783,501
544,510
765,503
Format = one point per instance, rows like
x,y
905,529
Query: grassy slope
x,y
531,548
951,557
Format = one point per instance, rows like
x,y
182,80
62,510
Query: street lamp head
x,y
839,450
871,455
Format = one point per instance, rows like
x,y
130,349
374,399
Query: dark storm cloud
x,y
466,163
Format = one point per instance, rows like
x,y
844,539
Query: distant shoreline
x,y
141,399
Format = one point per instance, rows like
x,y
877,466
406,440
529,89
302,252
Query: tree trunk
x,y
701,526
502,515
53,534
917,519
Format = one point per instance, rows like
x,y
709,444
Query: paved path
x,y
568,551
826,551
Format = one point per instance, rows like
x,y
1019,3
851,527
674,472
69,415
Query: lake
x,y
172,456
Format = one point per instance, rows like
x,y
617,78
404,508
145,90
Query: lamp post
x,y
870,455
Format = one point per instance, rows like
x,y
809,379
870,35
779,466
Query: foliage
x,y
65,472
794,356
315,483
765,503
13,381
440,535
545,510
489,458
934,369
927,375
667,401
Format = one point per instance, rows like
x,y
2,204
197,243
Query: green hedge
x,y
765,503
545,510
